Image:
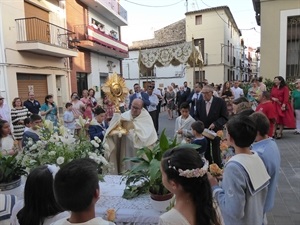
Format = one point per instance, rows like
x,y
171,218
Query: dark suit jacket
x,y
180,98
145,98
96,130
188,91
192,102
218,114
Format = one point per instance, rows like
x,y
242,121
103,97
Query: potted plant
x,y
11,171
145,175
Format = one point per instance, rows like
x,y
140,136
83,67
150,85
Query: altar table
x,y
136,211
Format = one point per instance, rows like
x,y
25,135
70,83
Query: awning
x,y
170,55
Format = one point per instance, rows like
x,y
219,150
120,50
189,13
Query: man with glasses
x,y
140,95
212,111
141,133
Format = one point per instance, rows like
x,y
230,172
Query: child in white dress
x,y
184,173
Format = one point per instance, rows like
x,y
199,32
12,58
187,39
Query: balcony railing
x,y
115,6
86,32
33,29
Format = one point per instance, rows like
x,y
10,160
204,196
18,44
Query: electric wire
x,y
153,6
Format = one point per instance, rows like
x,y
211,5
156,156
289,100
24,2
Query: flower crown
x,y
193,173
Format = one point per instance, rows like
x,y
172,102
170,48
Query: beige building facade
x,y
35,48
220,42
280,26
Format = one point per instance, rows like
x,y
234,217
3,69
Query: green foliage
x,y
11,168
145,175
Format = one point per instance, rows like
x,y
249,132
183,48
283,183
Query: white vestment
x,y
141,133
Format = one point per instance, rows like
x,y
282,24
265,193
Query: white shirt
x,y
48,220
7,143
153,102
237,92
5,113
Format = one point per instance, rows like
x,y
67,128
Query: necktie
x,y
207,107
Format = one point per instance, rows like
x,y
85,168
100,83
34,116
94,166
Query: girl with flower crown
x,y
39,205
185,174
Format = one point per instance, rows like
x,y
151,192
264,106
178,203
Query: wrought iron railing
x,y
33,29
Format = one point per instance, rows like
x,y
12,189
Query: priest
x,y
141,133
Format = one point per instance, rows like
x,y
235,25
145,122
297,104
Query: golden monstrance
x,y
116,90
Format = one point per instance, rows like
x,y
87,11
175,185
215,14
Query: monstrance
x,y
116,90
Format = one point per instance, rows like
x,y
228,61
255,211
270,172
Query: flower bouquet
x,y
57,146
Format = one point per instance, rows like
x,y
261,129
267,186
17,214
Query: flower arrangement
x,y
10,168
57,146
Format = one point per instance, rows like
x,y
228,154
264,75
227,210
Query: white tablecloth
x,y
135,211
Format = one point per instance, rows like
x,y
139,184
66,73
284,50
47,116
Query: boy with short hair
x,y
242,195
197,129
98,125
76,189
27,124
183,123
268,151
32,133
69,119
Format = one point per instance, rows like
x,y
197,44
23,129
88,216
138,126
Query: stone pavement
x,y
286,210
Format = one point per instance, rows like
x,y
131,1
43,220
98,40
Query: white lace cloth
x,y
137,211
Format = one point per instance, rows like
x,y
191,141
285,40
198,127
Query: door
x,y
32,82
37,29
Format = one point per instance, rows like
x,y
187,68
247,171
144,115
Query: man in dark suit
x,y
212,111
194,97
186,89
181,96
139,94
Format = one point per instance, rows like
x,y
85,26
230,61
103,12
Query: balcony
x,y
110,9
41,37
97,41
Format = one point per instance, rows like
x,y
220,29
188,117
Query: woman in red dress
x,y
280,94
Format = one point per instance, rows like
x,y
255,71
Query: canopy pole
x,y
193,60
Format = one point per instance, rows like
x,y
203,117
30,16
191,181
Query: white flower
x,y
30,142
81,122
60,160
32,161
93,142
34,146
103,160
48,124
52,153
67,139
91,157
98,140
62,130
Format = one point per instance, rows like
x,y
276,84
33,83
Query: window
x,y
149,73
293,50
81,82
97,25
198,20
199,76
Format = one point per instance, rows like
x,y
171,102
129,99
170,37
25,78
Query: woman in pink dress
x,y
78,106
88,105
280,97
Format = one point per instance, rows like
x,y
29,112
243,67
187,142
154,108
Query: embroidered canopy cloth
x,y
170,55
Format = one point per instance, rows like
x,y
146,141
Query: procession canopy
x,y
170,55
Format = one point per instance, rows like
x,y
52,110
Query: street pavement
x,y
286,210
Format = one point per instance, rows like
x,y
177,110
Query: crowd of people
x,y
249,180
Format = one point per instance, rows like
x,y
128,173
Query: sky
x,y
143,21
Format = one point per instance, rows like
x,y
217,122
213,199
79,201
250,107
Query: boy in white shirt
x,y
183,123
69,119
